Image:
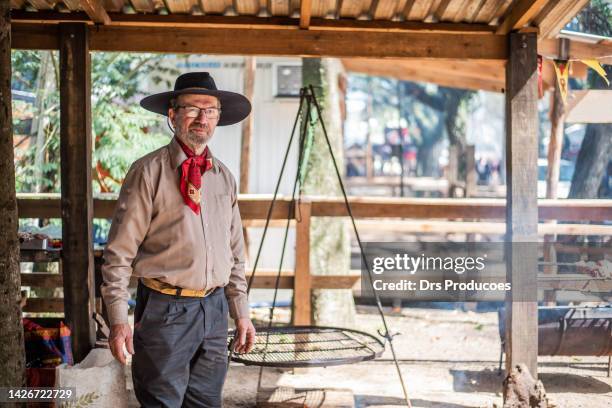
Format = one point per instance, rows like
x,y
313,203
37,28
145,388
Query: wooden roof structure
x,y
457,29
451,33
498,16
466,33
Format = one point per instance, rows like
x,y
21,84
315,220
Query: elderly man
x,y
177,228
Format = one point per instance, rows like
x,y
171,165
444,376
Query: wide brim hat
x,y
234,106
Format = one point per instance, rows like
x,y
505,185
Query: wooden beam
x,y
521,196
17,4
113,5
472,74
305,43
252,22
441,9
267,280
335,281
577,49
554,21
43,4
44,305
143,6
253,207
305,14
575,282
302,280
519,15
266,41
472,227
33,255
42,280
95,10
472,10
77,199
34,37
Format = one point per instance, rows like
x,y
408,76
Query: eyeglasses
x,y
194,112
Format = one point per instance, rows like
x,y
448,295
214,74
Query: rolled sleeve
x,y
129,226
236,289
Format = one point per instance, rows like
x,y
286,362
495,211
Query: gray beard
x,y
195,139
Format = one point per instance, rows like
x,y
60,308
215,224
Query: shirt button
x,y
210,248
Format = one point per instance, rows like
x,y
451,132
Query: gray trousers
x,y
180,346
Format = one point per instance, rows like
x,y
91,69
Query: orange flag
x,y
562,71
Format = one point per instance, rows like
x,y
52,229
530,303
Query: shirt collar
x,y
178,156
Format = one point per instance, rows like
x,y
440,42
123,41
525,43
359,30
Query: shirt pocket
x,y
223,229
223,211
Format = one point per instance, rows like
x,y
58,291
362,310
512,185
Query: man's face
x,y
198,130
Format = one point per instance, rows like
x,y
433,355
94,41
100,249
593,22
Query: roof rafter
x,y
95,10
305,13
278,22
519,15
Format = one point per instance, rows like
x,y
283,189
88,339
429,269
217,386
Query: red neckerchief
x,y
191,176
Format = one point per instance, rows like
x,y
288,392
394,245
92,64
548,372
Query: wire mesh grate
x,y
309,346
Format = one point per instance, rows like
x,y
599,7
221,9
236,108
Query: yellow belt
x,y
167,289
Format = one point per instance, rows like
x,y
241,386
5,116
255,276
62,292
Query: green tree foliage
x,y
121,130
595,18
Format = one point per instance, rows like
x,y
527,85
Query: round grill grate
x,y
309,346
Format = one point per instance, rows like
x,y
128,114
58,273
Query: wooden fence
x,y
408,215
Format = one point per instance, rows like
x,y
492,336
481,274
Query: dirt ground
x,y
448,359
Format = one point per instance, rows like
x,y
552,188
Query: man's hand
x,y
245,335
120,335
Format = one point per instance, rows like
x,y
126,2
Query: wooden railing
x,y
433,215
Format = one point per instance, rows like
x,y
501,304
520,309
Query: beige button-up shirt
x,y
155,235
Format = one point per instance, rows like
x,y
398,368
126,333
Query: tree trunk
x,y
595,153
521,390
12,355
329,239
427,161
41,120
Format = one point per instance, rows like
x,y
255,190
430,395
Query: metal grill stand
x,y
308,346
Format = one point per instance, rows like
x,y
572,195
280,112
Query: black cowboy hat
x,y
234,106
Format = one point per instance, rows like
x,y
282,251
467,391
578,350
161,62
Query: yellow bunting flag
x,y
596,66
562,71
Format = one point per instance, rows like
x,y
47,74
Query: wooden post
x,y
250,66
247,125
555,146
522,205
557,124
12,369
302,281
77,199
